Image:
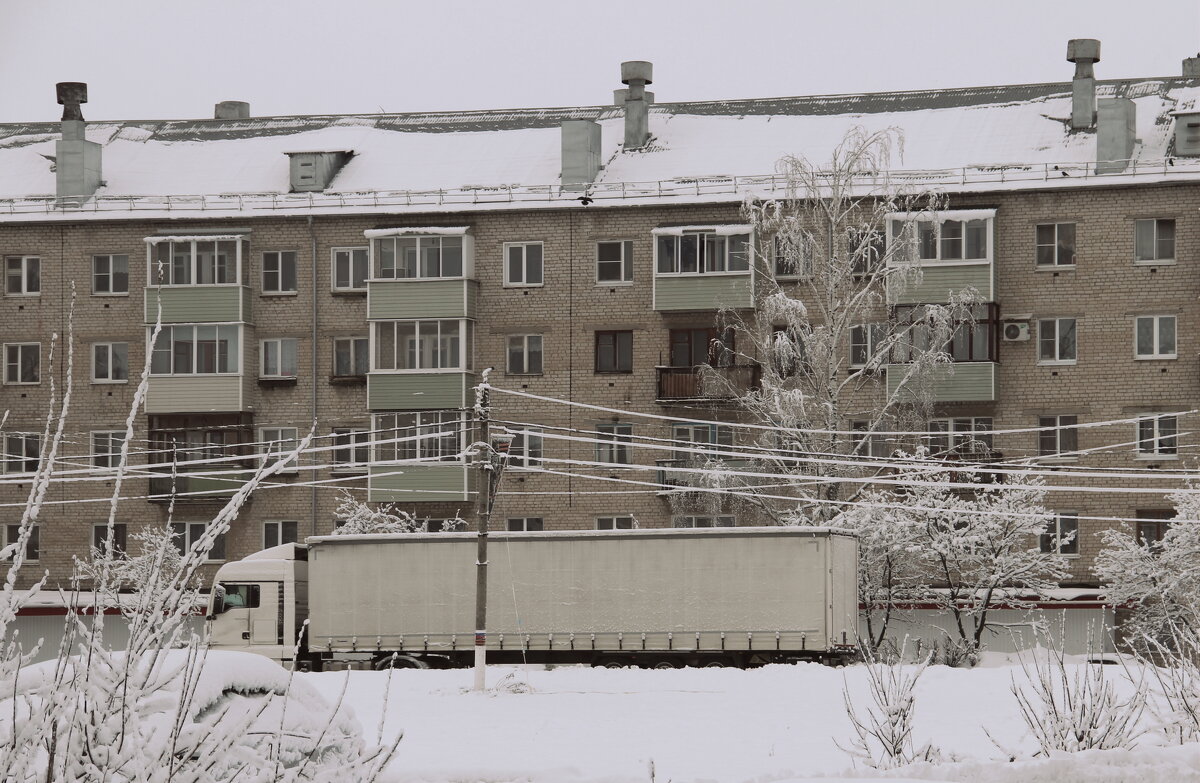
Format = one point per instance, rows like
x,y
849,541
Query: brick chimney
x,y
637,74
1083,52
77,160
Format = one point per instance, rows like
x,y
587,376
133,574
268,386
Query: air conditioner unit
x,y
1015,332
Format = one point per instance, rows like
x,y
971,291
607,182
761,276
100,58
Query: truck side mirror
x,y
218,602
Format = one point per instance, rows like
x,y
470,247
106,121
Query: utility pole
x,y
491,468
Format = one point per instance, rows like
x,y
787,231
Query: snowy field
x,y
778,723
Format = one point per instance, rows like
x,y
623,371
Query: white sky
x,y
156,59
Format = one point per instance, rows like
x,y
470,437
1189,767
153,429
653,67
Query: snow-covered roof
x,y
957,139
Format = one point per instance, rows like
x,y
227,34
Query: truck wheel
x,y
400,662
612,662
716,663
666,663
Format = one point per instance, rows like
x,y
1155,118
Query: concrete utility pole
x,y
491,468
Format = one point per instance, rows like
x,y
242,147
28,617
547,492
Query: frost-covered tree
x,y
823,330
360,518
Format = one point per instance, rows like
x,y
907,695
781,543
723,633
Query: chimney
x,y
636,74
1083,52
77,160
231,110
1191,67
1114,135
621,95
580,153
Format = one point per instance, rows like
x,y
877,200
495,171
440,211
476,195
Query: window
x,y
614,351
962,437
792,255
612,443
523,263
614,262
697,251
417,257
33,549
100,539
196,350
351,356
422,345
22,363
704,345
1058,436
280,532
21,452
106,448
1154,337
1056,244
185,261
865,341
873,445
350,269
275,442
1152,525
1153,241
526,449
705,437
196,448
616,523
426,435
352,450
22,275
239,596
278,358
186,534
524,524
1061,536
279,272
971,340
867,250
1056,341
110,362
714,521
110,275
1157,436
525,354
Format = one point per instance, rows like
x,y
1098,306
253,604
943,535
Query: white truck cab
x,y
255,603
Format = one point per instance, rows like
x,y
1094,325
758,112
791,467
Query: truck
x,y
660,598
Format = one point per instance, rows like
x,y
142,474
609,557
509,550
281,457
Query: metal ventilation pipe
x,y
1191,67
1083,52
76,160
637,74
231,110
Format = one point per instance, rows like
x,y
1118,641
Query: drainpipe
x,y
312,235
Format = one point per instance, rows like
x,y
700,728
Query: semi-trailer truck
x,y
649,597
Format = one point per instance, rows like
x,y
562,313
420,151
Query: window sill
x,y
524,285
111,295
614,372
955,261
1052,459
614,283
523,374
738,273
1156,457
1064,363
1055,267
23,296
278,294
348,380
101,382
1155,262
269,380
415,279
22,383
348,291
1166,357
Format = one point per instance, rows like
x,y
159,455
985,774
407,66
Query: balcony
x,y
198,488
413,391
707,383
675,480
420,483
407,299
704,292
191,304
955,382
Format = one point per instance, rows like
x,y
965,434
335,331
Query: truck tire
x,y
399,662
664,663
613,662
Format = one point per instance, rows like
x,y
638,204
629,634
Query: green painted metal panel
x,y
199,488
417,391
194,393
703,292
938,282
198,304
422,298
419,483
959,382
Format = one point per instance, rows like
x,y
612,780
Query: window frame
x,y
1051,543
539,524
120,538
347,442
525,262
742,235
110,456
280,531
191,531
8,456
1156,225
527,449
1055,246
360,371
419,443
241,249
27,264
866,337
349,252
958,437
268,436
618,367
281,345
1156,337
625,262
110,349
19,364
195,355
1057,342
717,437
377,269
713,520
111,258
614,522
614,440
900,223
279,272
1156,436
525,354
1060,430
1154,519
33,544
465,345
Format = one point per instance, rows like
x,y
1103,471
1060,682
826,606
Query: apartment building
x,y
354,276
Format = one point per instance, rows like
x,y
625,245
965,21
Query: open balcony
x,y
707,383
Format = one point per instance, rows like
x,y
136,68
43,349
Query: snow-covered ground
x,y
778,723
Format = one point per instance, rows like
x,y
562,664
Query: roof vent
x,y
622,95
637,74
1115,135
1083,52
231,110
1191,67
314,171
1187,132
580,153
77,172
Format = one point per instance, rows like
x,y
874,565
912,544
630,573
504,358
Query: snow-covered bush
x,y
883,731
361,519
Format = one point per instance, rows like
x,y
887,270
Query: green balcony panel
x,y
958,382
422,299
198,488
199,304
419,391
420,483
703,292
938,282
195,394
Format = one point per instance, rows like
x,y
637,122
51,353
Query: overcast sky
x,y
158,59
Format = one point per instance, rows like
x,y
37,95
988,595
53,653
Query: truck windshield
x,y
238,596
